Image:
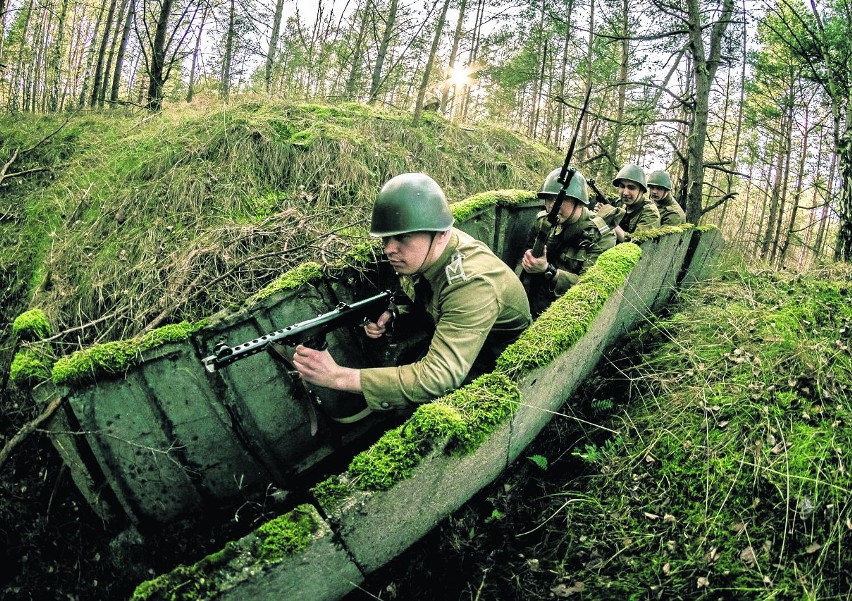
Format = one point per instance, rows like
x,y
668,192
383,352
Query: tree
x,y
427,71
162,48
821,37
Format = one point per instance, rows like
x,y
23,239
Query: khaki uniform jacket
x,y
479,307
670,212
572,249
642,215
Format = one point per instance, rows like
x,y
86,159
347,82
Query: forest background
x,y
746,105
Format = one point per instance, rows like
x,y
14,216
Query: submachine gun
x,y
339,406
311,332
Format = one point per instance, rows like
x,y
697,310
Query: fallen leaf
x,y
747,555
712,555
563,590
813,548
737,527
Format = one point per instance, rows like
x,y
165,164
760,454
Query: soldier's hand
x,y
378,328
315,367
610,214
533,264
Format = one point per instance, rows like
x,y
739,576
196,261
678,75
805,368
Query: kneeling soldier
x,y
641,214
574,244
659,189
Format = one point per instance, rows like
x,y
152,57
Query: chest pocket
x,y
574,257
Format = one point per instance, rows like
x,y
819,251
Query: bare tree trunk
x,y
122,48
56,58
775,194
706,64
474,53
843,248
829,193
535,104
559,121
91,59
273,45
427,70
797,195
225,83
358,54
99,65
157,67
190,92
618,127
785,178
387,35
116,40
454,52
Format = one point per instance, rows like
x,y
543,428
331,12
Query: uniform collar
x,y
431,273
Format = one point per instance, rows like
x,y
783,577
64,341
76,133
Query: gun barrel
x,y
343,314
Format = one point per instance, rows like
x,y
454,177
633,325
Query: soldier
x,y
641,214
476,302
659,189
574,245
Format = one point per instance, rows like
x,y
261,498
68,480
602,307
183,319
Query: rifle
x,y
599,196
311,332
564,178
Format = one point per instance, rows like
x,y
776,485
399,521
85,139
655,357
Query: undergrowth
x,y
723,471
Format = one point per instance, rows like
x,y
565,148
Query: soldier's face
x,y
569,212
657,193
629,192
413,252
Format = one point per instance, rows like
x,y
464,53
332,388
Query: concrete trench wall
x,y
367,529
167,439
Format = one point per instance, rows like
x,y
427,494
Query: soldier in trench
x,y
473,303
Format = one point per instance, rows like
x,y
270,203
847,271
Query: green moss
x,y
391,459
188,583
484,405
28,369
366,253
116,357
467,208
570,316
653,234
304,274
31,325
331,492
287,534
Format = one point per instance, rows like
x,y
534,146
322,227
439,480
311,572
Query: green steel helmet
x,y
631,173
410,202
576,187
660,179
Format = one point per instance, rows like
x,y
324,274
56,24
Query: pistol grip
x,y
317,342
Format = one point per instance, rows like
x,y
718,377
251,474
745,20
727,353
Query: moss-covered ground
x,y
727,477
